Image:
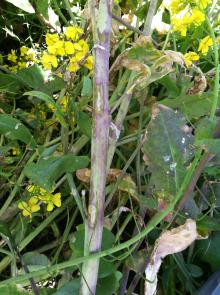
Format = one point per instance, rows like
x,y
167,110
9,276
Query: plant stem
x,y
68,7
15,188
216,85
155,220
101,27
149,18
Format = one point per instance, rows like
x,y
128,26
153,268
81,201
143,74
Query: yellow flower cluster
x,y
39,196
19,61
67,45
185,13
204,45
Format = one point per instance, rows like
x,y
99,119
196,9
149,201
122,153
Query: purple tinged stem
x,y
101,25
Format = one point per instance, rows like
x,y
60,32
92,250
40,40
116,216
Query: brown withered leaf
x,y
199,85
85,174
175,56
126,185
170,242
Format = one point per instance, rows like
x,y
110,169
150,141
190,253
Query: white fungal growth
x,y
17,126
115,129
183,140
166,158
173,166
99,47
99,102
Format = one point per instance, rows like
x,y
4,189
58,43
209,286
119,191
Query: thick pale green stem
x,y
101,23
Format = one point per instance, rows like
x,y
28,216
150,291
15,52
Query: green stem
x,y
216,85
152,224
68,7
59,12
15,188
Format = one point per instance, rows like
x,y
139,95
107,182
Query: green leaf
x,y
22,4
46,171
14,129
4,230
70,288
53,86
192,106
108,285
46,98
42,7
208,250
167,146
13,290
208,223
148,202
86,87
10,83
35,260
77,245
194,270
170,84
33,76
85,123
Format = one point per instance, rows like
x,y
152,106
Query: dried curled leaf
x,y
126,185
170,242
199,85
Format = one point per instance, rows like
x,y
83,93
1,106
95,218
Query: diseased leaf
x,y
14,129
168,147
170,242
45,172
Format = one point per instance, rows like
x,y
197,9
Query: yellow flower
x,y
12,56
73,33
51,39
84,45
29,207
51,200
89,62
189,57
202,3
15,151
69,47
31,188
21,65
60,48
64,103
49,61
24,50
14,69
205,43
73,67
197,16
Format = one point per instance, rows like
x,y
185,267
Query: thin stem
x,y
152,224
68,7
216,85
149,19
59,12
